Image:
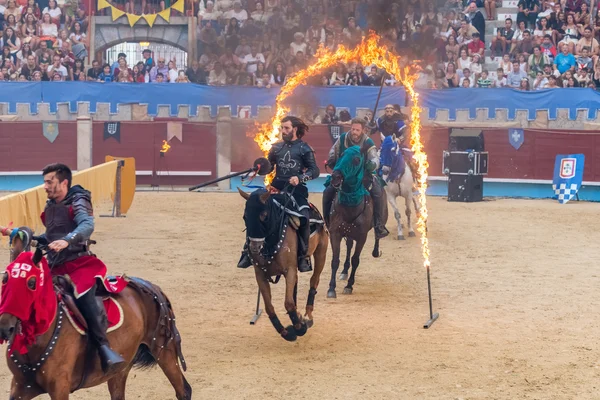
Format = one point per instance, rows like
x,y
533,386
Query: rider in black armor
x,y
294,163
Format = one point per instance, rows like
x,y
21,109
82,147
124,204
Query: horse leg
x,y
392,201
265,290
117,384
355,261
408,201
291,292
168,362
344,274
335,263
319,255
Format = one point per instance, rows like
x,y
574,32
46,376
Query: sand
x,y
515,283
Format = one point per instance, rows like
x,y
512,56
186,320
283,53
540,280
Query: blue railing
x,y
348,97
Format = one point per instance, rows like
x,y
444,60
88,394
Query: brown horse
x,y
269,228
350,221
60,360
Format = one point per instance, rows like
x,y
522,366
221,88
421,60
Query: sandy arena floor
x,y
515,283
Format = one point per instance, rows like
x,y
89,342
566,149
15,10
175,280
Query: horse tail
x,y
143,358
165,326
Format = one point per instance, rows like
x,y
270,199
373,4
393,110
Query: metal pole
x,y
221,179
378,97
258,311
432,316
118,191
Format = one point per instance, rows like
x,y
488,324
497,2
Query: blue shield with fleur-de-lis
x,y
516,137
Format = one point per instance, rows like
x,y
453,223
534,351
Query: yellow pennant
x,y
102,4
165,14
132,18
150,18
178,6
116,13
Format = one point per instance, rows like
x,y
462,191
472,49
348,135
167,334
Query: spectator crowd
x,y
261,43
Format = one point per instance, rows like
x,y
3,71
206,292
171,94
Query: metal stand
x,y
116,210
258,311
161,160
432,316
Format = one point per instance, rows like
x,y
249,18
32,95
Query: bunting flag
x,y
174,129
116,13
132,18
112,129
50,130
165,14
178,6
102,4
150,18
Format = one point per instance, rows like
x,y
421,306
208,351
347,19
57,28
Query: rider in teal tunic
x,y
357,137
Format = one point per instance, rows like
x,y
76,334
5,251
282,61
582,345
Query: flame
x,y
368,52
165,147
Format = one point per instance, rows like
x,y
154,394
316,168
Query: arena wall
x,y
211,149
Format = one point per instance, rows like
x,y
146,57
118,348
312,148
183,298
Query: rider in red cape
x,y
69,221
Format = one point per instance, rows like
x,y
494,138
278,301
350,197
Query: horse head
x,y
387,154
349,167
20,241
27,289
256,217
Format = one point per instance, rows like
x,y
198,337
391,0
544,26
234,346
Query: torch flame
x,y
368,52
165,147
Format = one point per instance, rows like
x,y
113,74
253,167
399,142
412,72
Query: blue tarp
x,y
176,95
573,99
350,97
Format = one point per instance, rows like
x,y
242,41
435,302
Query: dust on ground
x,y
515,283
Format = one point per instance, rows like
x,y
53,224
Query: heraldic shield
x,y
568,176
516,137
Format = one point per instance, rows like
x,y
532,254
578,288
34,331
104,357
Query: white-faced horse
x,y
399,181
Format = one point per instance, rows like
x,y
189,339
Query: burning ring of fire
x,y
368,52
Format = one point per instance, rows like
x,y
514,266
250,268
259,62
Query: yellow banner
x,y
116,13
132,18
178,6
24,208
165,14
102,4
150,18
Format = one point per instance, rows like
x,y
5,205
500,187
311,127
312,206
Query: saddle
x,y
315,219
65,291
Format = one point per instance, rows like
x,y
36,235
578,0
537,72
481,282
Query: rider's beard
x,y
287,136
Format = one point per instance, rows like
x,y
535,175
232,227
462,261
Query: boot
x,y
303,242
378,203
245,260
97,324
328,196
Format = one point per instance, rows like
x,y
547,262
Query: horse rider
x,y
357,137
392,123
294,163
69,221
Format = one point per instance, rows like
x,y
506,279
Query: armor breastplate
x,y
388,126
58,222
289,161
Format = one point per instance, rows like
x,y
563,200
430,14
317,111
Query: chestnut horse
x,y
351,215
59,360
268,226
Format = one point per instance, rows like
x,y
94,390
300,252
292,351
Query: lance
x,y
261,166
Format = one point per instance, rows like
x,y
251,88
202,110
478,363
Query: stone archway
x,y
179,32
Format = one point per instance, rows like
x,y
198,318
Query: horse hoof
x,y
343,277
290,334
309,323
412,234
347,290
331,294
302,330
400,237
